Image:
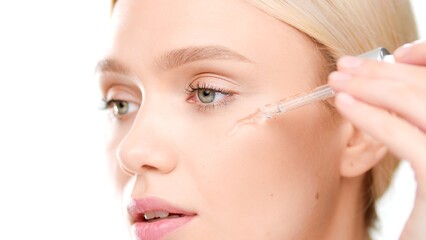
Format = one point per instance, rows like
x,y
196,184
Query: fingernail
x,y
339,76
345,99
420,41
401,51
349,62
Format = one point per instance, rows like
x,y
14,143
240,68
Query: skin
x,y
295,177
376,89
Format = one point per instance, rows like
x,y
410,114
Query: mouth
x,y
156,216
153,218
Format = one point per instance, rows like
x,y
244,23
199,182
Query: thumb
x,y
412,53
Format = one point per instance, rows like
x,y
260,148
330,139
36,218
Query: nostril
x,y
149,168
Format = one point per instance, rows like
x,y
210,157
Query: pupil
x,y
206,93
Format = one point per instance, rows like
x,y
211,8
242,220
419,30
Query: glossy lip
x,y
159,229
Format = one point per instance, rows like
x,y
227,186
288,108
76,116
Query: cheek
x,y
275,170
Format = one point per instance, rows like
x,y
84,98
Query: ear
x,y
361,153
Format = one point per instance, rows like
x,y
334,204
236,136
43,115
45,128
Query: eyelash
x,y
105,103
203,107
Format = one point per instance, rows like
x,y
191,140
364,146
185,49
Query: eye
x,y
208,96
120,108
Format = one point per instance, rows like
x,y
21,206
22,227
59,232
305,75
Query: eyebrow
x,y
111,65
178,57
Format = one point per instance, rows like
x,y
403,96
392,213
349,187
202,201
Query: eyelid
x,y
108,80
124,93
219,79
216,81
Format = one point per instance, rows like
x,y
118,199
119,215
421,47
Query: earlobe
x,y
362,153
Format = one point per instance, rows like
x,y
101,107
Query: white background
x,y
53,176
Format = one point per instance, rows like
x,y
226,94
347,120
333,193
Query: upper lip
x,y
136,208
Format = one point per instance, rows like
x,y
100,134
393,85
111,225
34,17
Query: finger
x,y
376,69
402,138
406,100
412,53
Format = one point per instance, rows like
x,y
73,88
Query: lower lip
x,y
159,229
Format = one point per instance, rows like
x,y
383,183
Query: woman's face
x,y
189,70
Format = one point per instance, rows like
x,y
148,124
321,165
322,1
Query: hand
x,y
393,96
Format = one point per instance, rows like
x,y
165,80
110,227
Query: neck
x,y
347,221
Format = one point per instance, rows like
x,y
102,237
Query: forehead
x,y
178,16
199,22
143,30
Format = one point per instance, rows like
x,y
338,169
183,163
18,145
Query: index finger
x,y
412,53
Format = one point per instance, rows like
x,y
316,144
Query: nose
x,y
147,147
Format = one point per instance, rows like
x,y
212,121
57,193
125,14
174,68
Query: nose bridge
x,y
148,143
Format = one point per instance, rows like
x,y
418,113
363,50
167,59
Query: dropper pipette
x,y
318,94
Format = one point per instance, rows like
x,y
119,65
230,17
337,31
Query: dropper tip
x,y
255,118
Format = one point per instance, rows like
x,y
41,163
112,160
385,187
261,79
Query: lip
x,y
159,229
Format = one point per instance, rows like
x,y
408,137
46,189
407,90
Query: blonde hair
x,y
350,27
